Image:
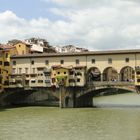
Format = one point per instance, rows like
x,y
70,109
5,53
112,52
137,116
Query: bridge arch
x,y
93,74
110,74
127,74
86,98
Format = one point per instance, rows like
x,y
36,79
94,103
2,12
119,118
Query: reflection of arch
x,y
67,101
127,74
94,74
110,74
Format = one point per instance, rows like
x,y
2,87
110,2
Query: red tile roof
x,y
6,47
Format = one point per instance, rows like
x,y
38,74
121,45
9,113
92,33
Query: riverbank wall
x,y
40,96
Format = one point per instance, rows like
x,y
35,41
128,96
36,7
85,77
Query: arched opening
x,y
127,74
110,74
94,74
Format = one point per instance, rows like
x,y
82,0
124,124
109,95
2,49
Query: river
x,y
43,123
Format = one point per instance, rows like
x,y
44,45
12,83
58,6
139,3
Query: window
x,y
33,70
71,72
47,62
79,74
14,62
0,71
138,72
14,70
138,80
61,61
58,72
26,70
6,64
71,80
32,62
126,60
109,60
33,75
93,61
6,55
33,81
77,61
64,72
0,62
20,70
40,81
47,81
78,80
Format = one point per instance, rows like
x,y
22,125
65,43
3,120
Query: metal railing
x,y
111,83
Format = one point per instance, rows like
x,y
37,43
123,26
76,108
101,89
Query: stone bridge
x,y
83,96
66,96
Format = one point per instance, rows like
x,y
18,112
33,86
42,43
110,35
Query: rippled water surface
x,y
42,123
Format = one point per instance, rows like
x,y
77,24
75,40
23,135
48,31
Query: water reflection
x,y
40,123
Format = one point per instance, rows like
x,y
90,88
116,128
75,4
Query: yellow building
x,y
5,69
1,68
22,48
60,75
6,51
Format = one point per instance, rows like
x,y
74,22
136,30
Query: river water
x,y
43,123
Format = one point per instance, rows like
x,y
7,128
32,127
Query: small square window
x,y
40,81
93,61
58,72
71,73
77,61
32,62
78,80
126,60
64,72
6,55
47,62
61,61
0,62
6,63
109,60
14,62
33,81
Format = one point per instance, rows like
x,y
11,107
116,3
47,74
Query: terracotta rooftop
x,y
110,52
6,47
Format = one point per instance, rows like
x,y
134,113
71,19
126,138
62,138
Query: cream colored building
x,y
117,65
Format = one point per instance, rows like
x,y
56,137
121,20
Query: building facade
x,y
75,68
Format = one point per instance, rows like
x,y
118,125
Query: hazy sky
x,y
92,24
